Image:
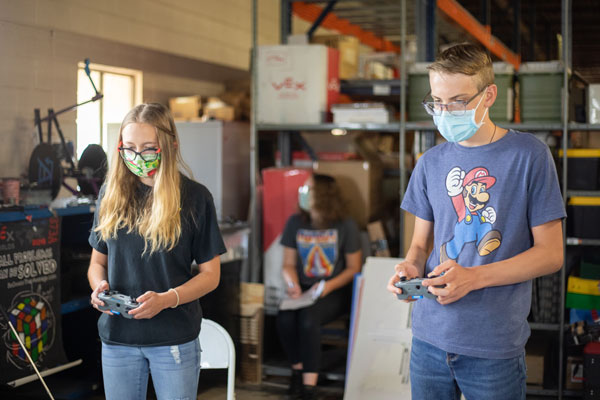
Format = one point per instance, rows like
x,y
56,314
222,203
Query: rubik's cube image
x,y
30,320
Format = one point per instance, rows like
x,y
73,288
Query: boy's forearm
x,y
417,256
532,263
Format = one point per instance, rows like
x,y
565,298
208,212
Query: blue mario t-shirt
x,y
483,201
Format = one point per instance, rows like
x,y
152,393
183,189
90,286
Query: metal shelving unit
x,y
409,126
396,88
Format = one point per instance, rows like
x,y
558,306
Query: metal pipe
x,y
254,239
516,45
403,77
286,20
566,53
320,18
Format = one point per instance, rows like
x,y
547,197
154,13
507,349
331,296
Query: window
x,y
122,89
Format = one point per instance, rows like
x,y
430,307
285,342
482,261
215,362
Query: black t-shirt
x,y
321,252
132,273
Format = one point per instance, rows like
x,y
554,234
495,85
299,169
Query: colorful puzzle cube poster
x,y
30,296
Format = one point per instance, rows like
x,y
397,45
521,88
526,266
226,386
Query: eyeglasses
x,y
456,108
146,154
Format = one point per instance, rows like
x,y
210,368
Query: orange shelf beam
x,y
480,32
311,12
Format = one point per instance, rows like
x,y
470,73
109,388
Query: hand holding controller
x,y
117,303
414,288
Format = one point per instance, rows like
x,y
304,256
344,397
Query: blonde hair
x,y
155,217
467,59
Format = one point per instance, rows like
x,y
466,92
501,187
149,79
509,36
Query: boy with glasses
x,y
488,213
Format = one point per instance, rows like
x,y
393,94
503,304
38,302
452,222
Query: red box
x,y
280,201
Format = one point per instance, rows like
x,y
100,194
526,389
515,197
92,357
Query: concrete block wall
x,y
182,47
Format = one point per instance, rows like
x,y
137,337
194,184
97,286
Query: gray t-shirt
x,y
132,273
321,252
483,201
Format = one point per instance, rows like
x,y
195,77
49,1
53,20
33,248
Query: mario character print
x,y
469,194
318,251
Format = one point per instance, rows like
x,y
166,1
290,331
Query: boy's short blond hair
x,y
467,59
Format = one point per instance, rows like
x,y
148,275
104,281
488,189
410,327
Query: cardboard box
x,y
223,113
348,47
251,331
360,183
185,107
594,140
574,373
296,84
215,108
535,369
535,353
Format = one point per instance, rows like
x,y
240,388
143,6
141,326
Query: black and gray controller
x,y
414,288
117,303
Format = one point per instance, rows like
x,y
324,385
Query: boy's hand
x,y
406,270
459,281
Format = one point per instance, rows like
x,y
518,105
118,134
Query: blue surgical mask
x,y
458,128
304,198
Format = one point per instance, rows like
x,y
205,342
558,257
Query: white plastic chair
x,y
218,352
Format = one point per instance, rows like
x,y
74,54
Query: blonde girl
x,y
151,223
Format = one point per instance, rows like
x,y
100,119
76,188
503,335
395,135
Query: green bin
x,y
503,108
540,93
418,87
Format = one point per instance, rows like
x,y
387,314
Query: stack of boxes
x,y
251,331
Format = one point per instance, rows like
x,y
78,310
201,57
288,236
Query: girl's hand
x,y
95,301
324,292
293,290
151,303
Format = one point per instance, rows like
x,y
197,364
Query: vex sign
x,y
6,235
289,83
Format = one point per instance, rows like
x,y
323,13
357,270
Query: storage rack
x,y
402,126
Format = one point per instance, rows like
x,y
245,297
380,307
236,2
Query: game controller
x,y
117,303
414,288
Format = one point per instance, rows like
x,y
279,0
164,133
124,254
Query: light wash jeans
x,y
175,371
437,375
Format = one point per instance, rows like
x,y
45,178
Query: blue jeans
x,y
437,375
175,371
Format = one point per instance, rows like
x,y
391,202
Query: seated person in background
x,y
322,254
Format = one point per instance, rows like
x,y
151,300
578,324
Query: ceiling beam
x,y
482,33
311,13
